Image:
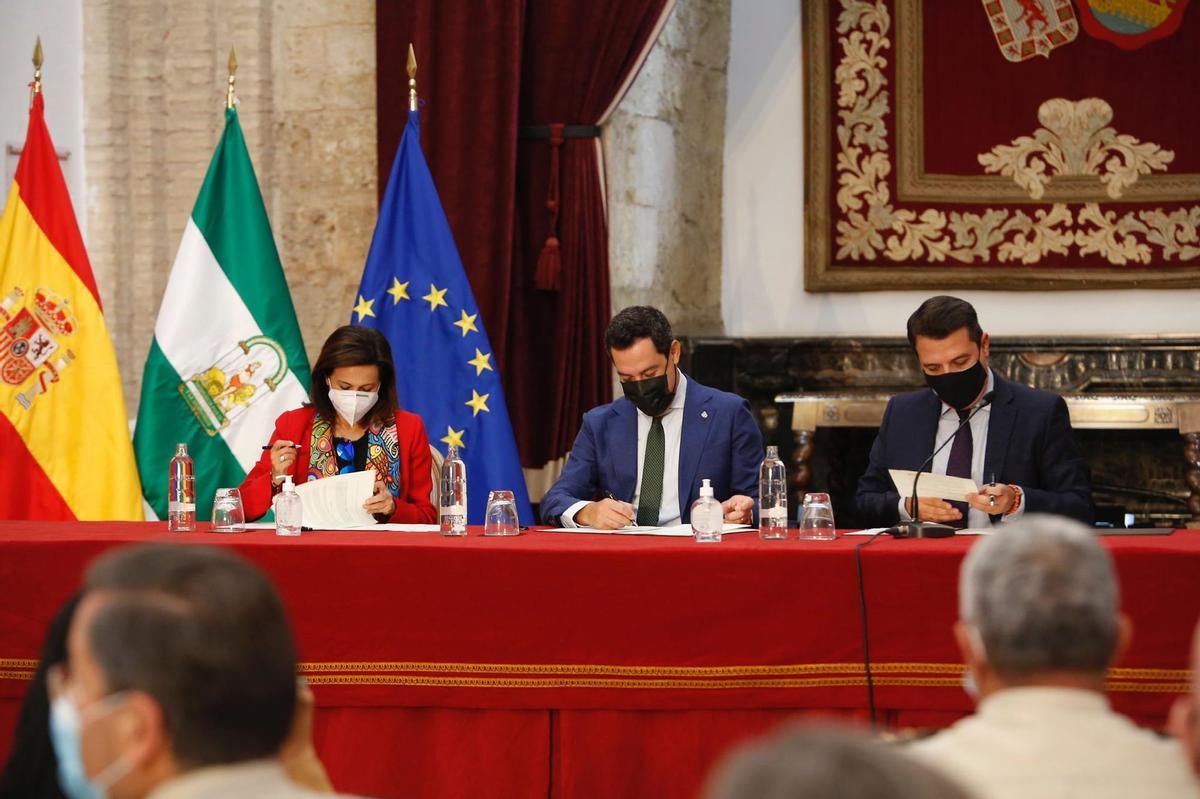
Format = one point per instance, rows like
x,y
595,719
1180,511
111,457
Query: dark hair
x,y
940,316
32,768
638,322
823,761
355,345
204,633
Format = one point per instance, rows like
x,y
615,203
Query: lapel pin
x,y
703,414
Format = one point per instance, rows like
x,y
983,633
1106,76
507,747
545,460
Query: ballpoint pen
x,y
611,496
992,497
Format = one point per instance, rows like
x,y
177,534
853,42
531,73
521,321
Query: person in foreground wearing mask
x,y
351,424
641,458
179,683
1039,627
1019,448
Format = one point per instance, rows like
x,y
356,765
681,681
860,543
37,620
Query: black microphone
x,y
917,528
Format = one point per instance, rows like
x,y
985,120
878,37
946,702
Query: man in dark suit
x,y
1020,449
640,459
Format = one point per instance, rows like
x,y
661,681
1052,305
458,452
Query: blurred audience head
x,y
1184,722
179,657
830,763
1038,605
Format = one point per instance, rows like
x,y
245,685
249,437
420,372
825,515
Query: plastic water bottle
x,y
772,497
708,520
181,492
453,494
289,509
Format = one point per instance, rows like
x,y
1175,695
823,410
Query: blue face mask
x,y
66,729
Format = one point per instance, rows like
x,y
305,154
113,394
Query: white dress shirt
x,y
1057,743
255,779
669,512
947,423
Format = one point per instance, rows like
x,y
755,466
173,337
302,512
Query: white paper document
x,y
973,531
933,485
677,531
336,503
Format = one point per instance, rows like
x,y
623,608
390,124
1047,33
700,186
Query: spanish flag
x,y
65,449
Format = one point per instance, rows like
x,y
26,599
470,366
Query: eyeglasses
x,y
345,453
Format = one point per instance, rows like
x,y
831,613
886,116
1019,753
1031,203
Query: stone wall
x,y
154,79
663,151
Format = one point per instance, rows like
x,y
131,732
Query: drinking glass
x,y
227,514
816,518
501,517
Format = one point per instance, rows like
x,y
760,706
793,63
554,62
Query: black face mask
x,y
959,389
651,396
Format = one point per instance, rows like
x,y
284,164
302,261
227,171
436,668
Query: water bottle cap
x,y
705,489
772,452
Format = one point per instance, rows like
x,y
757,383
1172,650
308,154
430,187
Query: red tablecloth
x,y
582,665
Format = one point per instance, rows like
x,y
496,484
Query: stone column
x,y
663,148
154,77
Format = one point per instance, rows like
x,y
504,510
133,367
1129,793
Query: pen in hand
x,y
613,497
992,497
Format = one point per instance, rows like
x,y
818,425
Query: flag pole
x,y
412,78
229,94
37,66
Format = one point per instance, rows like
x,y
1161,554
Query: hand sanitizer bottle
x,y
708,520
289,511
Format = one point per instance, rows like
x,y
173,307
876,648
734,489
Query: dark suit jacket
x,y
1029,444
719,440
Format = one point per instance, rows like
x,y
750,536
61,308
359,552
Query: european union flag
x,y
414,290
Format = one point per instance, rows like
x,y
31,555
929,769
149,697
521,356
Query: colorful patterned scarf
x,y
383,452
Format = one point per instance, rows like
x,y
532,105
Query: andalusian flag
x,y
227,357
64,435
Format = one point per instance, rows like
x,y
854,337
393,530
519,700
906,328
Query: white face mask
x,y
66,732
352,405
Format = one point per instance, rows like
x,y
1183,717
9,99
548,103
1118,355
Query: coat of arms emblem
x,y
1129,24
31,341
245,374
1028,28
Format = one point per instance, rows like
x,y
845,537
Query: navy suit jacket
x,y
719,440
1029,444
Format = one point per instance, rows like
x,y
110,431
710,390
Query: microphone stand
x,y
917,528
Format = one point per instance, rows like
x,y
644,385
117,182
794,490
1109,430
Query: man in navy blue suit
x,y
1019,448
640,459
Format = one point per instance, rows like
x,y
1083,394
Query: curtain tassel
x,y
548,276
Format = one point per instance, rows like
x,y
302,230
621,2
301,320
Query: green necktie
x,y
650,497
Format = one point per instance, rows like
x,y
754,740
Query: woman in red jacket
x,y
351,424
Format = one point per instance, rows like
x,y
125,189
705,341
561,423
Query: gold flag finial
x,y
37,65
412,78
232,78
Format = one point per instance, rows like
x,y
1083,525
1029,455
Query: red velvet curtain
x,y
468,77
486,70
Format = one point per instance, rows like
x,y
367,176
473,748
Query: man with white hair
x,y
1039,626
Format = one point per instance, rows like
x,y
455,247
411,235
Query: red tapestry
x,y
992,144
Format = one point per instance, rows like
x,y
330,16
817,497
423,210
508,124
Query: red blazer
x,y
412,506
